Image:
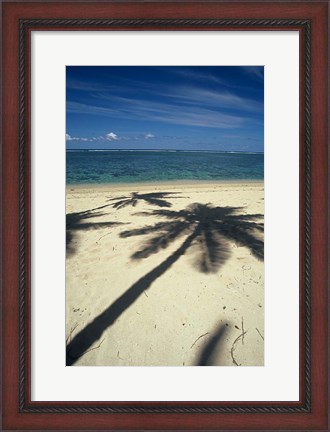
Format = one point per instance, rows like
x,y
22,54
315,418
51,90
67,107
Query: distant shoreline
x,y
161,184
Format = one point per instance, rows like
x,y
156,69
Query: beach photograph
x,y
164,216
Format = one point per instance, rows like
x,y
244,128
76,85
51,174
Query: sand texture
x,y
171,276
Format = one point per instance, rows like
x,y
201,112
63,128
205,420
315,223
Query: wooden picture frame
x,y
22,17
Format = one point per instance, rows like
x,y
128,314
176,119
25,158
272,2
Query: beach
x,y
170,276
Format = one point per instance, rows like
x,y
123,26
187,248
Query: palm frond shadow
x,y
204,227
214,227
154,198
80,221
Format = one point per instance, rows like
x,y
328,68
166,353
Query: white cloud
x,y
149,136
71,138
112,136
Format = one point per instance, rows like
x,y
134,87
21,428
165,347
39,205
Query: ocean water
x,y
124,166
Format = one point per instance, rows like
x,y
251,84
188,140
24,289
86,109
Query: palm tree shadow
x,y
154,198
93,331
208,355
80,221
206,229
214,228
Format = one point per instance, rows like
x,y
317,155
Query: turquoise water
x,y
108,166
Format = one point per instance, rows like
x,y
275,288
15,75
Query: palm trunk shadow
x,y
207,356
93,331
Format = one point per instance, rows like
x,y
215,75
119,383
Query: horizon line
x,y
169,149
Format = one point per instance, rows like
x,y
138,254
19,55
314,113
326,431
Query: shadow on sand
x,y
213,228
80,221
154,198
211,350
206,230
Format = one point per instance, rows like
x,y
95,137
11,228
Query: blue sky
x,y
165,107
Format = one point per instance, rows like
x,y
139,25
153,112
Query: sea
x,y
145,166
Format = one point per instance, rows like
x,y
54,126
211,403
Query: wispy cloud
x,y
200,83
188,115
183,94
198,76
88,86
254,71
215,99
186,101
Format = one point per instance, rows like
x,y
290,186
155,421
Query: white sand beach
x,y
158,280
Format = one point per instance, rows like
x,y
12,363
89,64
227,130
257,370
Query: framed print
x,y
165,215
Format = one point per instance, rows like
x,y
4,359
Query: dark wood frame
x,y
19,19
